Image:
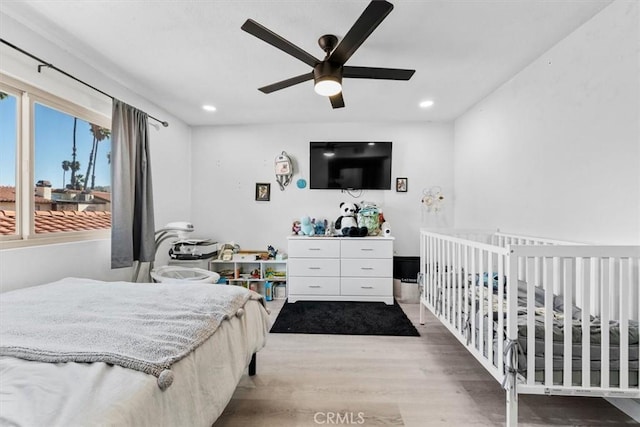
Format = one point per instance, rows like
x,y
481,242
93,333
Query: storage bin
x,y
406,292
406,268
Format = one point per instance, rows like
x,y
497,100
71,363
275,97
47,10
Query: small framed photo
x,y
401,185
263,191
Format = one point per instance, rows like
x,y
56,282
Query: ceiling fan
x,y
328,73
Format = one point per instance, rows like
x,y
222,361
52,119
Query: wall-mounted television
x,y
361,165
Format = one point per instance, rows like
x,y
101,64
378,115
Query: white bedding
x,y
98,394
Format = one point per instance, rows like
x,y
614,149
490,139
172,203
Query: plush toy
x,y
295,228
320,226
273,252
306,227
347,224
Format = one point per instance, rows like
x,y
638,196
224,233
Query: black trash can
x,y
405,279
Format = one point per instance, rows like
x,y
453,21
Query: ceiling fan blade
x,y
376,73
286,83
263,33
337,101
372,16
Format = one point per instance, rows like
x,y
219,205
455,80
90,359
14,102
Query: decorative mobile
x,y
432,199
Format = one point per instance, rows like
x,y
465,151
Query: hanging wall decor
x,y
432,199
284,170
263,192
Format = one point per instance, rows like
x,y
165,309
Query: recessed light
x,y
208,108
426,104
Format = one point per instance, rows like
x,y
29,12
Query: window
x,y
55,182
9,107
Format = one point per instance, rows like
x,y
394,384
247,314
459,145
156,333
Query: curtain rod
x,y
53,67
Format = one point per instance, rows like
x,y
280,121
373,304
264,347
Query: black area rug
x,y
343,318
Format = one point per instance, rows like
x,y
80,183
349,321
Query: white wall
x,y
227,162
555,151
170,157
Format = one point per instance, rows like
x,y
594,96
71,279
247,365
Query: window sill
x,y
58,238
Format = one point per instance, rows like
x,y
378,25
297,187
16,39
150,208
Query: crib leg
x,y
512,407
421,311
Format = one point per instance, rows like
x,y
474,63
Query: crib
x,y
532,310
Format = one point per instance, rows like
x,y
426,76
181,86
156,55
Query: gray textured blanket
x,y
141,326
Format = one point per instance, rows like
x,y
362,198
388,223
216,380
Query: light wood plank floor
x,y
431,380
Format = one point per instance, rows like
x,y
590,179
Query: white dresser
x,y
340,269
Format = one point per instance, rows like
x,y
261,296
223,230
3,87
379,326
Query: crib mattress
x,y
558,348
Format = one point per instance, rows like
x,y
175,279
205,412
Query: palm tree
x,y
73,155
3,95
75,167
66,165
79,181
99,135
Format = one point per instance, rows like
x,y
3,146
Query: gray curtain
x,y
132,225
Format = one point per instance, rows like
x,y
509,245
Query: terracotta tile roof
x,y
56,221
7,222
102,195
8,194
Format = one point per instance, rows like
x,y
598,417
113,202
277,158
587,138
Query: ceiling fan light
x,y
327,79
327,87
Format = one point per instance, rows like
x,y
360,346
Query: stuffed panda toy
x,y
347,224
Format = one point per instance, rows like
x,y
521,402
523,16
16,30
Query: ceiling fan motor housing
x,y
326,70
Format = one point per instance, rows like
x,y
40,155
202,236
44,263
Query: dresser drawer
x,y
366,248
366,286
314,267
314,285
314,248
366,268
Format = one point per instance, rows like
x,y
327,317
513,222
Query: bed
x,y
542,316
188,378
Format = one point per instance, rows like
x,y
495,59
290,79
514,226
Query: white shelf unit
x,y
253,273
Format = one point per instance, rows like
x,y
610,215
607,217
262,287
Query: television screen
x,y
350,165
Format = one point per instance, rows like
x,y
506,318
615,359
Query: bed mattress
x,y
98,394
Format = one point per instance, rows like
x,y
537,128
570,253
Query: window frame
x,y
27,96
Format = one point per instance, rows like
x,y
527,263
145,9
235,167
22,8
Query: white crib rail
x,y
602,281
503,239
448,261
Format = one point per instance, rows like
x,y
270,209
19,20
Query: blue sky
x,y
53,144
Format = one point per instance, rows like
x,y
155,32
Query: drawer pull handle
x,y
366,268
314,249
366,249
315,286
366,287
314,268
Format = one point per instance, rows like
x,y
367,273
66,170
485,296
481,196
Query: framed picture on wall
x,y
263,191
401,185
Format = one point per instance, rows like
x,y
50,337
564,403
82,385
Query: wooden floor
x,y
431,380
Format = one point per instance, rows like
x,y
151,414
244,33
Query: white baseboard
x,y
630,407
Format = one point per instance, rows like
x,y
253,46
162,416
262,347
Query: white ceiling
x,y
181,54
